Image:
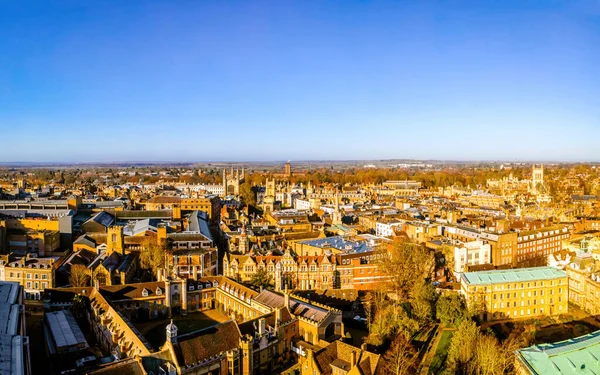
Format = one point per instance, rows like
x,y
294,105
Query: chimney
x,y
277,317
261,326
96,284
287,298
353,359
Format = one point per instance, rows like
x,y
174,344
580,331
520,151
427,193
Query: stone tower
x,y
288,169
246,344
115,242
269,199
278,276
537,176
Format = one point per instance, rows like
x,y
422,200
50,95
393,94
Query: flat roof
x,y
11,343
64,329
580,355
512,275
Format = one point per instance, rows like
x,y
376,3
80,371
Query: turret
x,y
171,332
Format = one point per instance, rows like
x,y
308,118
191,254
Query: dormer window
x,y
145,292
191,287
158,291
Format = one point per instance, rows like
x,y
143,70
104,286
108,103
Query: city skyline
x,y
216,81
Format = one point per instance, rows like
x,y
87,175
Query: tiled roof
x,y
127,366
206,343
131,291
160,199
339,353
250,327
297,307
271,299
513,275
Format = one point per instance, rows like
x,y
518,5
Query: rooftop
x,y
11,343
338,242
520,274
65,331
580,355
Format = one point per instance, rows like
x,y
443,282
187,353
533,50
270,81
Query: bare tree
x,y
401,357
80,275
153,256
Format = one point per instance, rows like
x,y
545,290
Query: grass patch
x,y
441,353
154,331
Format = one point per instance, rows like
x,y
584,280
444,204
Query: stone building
x,y
516,293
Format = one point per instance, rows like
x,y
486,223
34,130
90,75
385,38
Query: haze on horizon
x,y
107,81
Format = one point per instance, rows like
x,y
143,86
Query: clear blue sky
x,y
250,80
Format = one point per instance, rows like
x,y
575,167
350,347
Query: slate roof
x,y
297,307
129,366
102,218
339,243
131,291
340,354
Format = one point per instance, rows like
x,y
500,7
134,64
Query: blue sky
x,y
85,81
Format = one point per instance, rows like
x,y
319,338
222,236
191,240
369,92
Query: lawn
x,y
439,359
154,331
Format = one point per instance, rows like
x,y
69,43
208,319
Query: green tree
x,y
423,300
261,278
451,308
462,347
248,195
152,256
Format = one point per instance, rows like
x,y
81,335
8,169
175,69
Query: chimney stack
x,y
262,326
277,317
353,359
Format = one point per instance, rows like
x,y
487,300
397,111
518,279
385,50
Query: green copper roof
x,y
580,355
515,275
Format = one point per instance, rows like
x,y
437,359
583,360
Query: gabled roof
x,y
201,345
131,291
103,218
250,327
340,354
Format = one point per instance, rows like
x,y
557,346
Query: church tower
x,y
337,214
537,176
269,200
115,242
